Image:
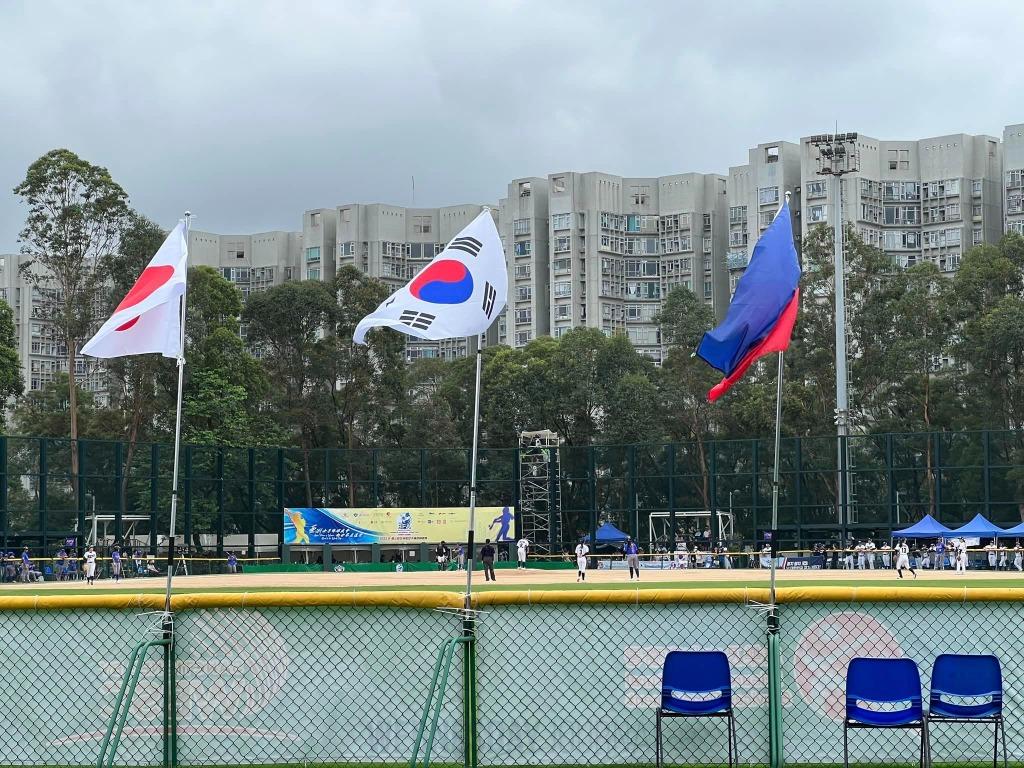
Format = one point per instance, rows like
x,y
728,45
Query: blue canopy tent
x,y
1017,531
608,535
979,527
925,528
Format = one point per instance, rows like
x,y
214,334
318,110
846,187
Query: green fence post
x,y
634,522
775,752
4,469
592,472
154,493
44,472
252,503
220,502
672,496
469,693
986,472
937,474
119,506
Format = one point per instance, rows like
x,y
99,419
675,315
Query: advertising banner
x,y
806,563
394,525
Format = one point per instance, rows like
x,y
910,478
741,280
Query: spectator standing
x,y
487,557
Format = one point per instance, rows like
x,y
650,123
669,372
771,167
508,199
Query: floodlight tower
x,y
838,156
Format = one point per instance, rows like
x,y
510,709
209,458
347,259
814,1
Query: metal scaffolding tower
x,y
540,508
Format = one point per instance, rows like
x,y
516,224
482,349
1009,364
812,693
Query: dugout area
x,y
562,677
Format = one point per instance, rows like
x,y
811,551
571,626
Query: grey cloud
x,y
249,112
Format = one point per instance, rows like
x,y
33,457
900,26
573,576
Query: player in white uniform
x,y
1002,558
90,566
522,548
961,556
903,559
1018,557
990,549
582,550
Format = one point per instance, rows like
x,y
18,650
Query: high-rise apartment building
x,y
925,200
523,226
755,193
615,247
1013,178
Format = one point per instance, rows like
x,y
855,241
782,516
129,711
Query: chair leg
x,y
733,746
846,746
1002,732
995,745
924,744
657,738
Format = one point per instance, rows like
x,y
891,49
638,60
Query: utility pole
x,y
838,156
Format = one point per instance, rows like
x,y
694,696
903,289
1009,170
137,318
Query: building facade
x,y
755,192
1013,178
925,200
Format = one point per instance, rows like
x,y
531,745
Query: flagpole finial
x,y
788,195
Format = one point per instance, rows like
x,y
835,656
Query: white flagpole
x,y
472,472
177,429
775,469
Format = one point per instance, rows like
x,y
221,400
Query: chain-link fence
x,y
567,684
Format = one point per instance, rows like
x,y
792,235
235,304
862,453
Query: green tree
x,y
76,213
11,383
287,323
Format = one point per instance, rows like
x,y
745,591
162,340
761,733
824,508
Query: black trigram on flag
x,y
468,245
489,296
418,320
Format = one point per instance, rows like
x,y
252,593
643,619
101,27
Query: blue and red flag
x,y
763,311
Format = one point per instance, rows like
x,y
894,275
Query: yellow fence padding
x,y
432,599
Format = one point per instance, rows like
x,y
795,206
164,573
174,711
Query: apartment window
x,y
707,289
561,265
1015,178
737,238
976,211
523,316
524,248
899,159
685,243
421,225
767,195
562,288
707,245
523,271
348,248
737,214
561,221
521,227
524,189
817,189
561,330
524,293
523,338
314,219
563,311
640,194
976,187
765,218
1015,203
771,154
558,184
313,254
313,273
976,236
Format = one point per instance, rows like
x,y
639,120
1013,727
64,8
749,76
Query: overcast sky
x,y
250,112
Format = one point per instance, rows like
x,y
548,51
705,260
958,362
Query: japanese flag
x,y
148,319
459,293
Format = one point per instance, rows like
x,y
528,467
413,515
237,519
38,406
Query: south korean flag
x,y
457,294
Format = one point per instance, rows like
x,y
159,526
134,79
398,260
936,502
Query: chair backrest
x,y
696,674
883,682
966,677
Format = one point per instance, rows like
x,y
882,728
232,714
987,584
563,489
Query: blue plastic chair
x,y
696,684
969,678
885,684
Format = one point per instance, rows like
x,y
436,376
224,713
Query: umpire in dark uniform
x,y
487,556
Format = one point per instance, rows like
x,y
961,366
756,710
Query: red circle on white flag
x,y
150,280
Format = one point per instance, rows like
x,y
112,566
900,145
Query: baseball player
x,y
1002,559
632,553
1018,557
441,553
582,550
869,550
848,557
961,555
115,564
903,560
990,550
940,555
232,562
26,564
522,548
90,566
